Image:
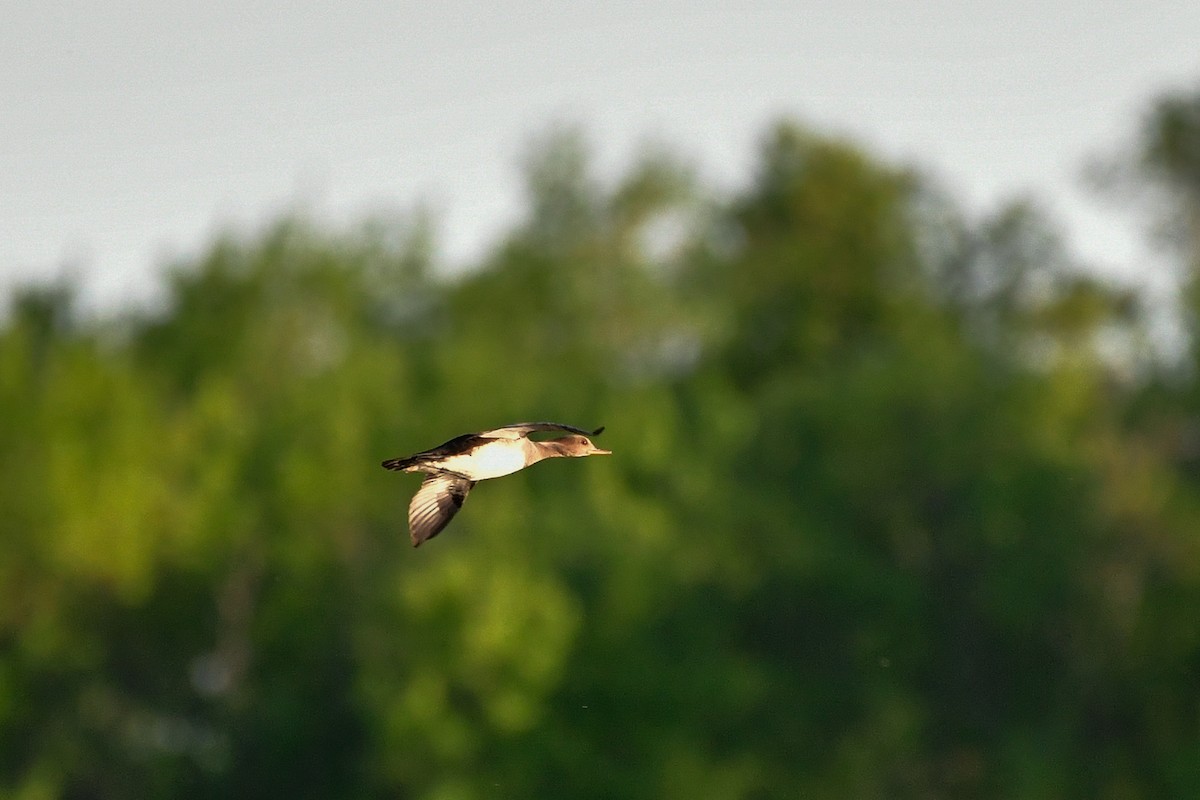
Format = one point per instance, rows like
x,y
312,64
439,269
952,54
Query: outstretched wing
x,y
525,428
435,504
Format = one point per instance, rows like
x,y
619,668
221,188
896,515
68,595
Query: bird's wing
x,y
435,504
525,428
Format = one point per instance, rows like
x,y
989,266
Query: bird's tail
x,y
398,464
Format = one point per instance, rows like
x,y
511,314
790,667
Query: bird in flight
x,y
452,468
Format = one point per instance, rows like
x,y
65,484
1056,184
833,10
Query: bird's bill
x,y
596,451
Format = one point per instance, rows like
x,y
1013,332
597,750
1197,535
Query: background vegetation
x,y
903,504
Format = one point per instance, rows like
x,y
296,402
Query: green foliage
x,y
881,523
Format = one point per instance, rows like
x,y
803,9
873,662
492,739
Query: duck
x,y
453,468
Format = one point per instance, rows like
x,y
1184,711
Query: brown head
x,y
573,446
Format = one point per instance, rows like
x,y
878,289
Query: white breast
x,y
491,460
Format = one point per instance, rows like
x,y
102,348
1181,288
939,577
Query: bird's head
x,y
575,446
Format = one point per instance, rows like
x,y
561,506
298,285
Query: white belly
x,y
492,460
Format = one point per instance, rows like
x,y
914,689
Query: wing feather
x,y
521,429
433,506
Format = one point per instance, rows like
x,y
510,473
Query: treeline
x,y
904,504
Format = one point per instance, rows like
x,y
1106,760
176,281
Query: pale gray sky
x,y
130,131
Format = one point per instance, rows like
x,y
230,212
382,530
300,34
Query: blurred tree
x,y
1170,155
882,523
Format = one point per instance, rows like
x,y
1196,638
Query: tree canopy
x,y
887,516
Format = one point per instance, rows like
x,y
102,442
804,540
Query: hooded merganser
x,y
451,469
